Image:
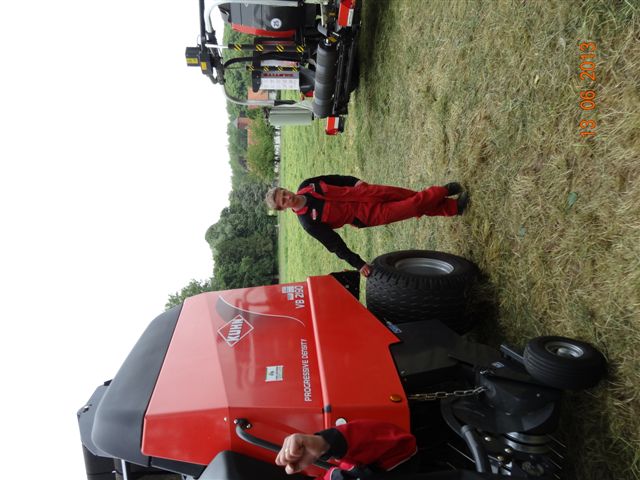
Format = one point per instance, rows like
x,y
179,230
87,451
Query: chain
x,y
427,397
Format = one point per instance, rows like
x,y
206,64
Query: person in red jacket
x,y
331,201
359,446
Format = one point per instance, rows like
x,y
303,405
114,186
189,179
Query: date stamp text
x,y
587,74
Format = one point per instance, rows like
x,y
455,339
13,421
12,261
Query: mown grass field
x,y
487,93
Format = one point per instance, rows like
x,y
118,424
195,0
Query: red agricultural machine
x,y
304,45
214,385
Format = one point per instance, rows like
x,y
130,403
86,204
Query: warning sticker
x,y
274,373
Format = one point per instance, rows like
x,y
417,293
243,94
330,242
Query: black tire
x,y
564,363
414,285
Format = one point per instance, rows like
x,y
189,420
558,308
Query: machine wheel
x,y
413,285
564,363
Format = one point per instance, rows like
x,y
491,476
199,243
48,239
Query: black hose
x,y
472,440
203,30
468,434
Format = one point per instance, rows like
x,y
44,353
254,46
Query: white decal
x,y
295,293
235,330
276,23
274,373
306,372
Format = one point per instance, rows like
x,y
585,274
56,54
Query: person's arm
x,y
360,442
334,243
372,442
337,180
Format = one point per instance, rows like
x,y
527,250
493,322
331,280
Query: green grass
x,y
487,93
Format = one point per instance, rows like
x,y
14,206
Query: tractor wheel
x,y
413,285
564,363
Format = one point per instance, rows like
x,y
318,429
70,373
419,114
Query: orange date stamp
x,y
587,97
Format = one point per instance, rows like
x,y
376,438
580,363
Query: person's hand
x,y
299,451
365,271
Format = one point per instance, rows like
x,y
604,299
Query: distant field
x,y
487,93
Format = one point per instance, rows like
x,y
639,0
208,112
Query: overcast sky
x,y
114,163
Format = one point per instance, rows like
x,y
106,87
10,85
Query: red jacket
x,y
344,202
367,443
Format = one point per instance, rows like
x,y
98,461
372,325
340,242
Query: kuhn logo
x,y
235,330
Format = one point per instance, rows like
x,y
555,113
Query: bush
x,y
260,153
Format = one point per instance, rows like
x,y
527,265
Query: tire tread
x,y
399,296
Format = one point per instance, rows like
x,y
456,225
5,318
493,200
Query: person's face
x,y
284,199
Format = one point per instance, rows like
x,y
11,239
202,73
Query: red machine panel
x,y
358,375
260,354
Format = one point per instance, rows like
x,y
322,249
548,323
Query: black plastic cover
x,y
477,413
423,356
86,415
97,468
192,469
268,18
513,396
119,416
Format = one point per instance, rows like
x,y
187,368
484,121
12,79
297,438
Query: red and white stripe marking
x,y
333,126
345,13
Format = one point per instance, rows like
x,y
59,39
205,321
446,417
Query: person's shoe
x,y
453,188
463,201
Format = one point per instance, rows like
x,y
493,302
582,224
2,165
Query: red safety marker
x,y
334,126
345,13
